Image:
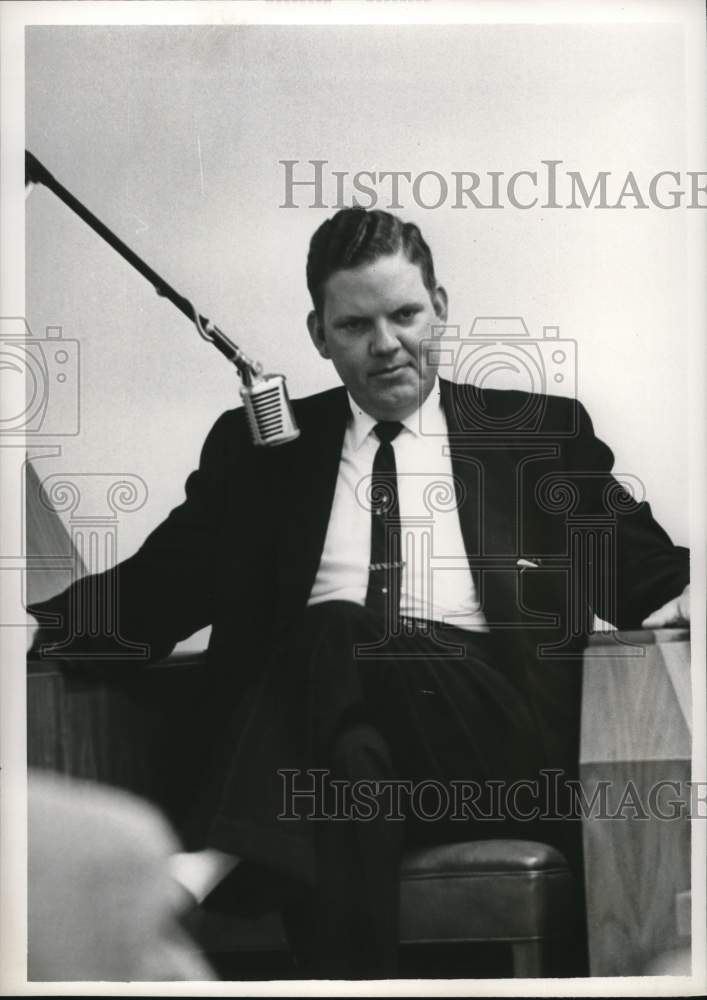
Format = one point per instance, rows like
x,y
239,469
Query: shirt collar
x,y
430,415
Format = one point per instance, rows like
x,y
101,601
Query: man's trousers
x,y
356,745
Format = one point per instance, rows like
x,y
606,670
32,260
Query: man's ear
x,y
316,332
440,302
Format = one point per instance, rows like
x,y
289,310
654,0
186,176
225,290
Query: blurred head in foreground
x,y
102,905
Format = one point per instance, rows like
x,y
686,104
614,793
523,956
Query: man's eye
x,y
354,325
405,315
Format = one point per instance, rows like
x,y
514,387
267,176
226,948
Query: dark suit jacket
x,y
242,551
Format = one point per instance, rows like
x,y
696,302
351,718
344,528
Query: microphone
x,y
267,405
269,412
270,417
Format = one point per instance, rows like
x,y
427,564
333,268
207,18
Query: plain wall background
x,y
172,135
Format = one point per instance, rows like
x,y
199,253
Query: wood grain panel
x,y
630,710
635,735
634,869
140,729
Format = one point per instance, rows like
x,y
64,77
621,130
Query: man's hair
x,y
356,236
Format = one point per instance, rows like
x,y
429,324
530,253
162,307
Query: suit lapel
x,y
485,471
485,481
307,482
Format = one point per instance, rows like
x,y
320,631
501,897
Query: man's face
x,y
374,318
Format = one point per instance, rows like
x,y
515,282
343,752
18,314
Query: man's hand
x,y
32,627
675,612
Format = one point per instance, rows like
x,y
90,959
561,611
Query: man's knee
x,y
359,752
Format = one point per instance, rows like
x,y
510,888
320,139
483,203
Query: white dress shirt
x,y
437,584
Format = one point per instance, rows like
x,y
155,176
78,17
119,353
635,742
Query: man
x,y
341,645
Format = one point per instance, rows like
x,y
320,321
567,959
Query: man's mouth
x,y
389,370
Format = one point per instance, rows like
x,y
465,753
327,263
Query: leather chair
x,y
514,891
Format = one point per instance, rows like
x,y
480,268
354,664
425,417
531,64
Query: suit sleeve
x,y
167,590
640,568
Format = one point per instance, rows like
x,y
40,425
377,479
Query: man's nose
x,y
384,339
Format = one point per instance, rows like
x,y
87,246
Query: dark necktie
x,y
385,569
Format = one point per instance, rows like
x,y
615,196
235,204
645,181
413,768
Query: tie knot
x,y
387,430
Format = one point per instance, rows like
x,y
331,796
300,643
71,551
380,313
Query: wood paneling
x,y
635,735
630,708
140,729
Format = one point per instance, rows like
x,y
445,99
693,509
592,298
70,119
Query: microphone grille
x,y
268,410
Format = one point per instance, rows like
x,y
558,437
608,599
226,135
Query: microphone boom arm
x,y
37,173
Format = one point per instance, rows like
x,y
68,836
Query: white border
x,y
13,18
